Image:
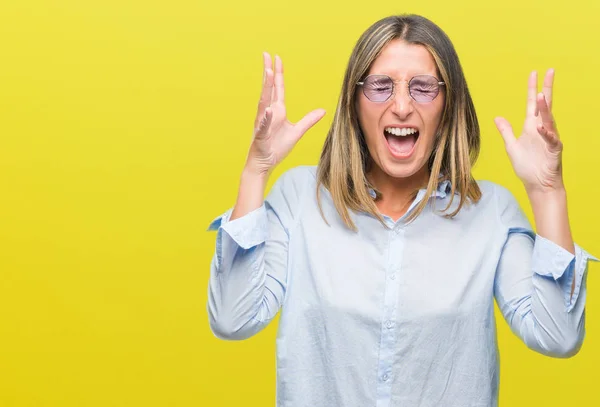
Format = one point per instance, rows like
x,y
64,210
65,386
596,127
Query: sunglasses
x,y
380,88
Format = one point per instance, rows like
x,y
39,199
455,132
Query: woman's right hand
x,y
274,135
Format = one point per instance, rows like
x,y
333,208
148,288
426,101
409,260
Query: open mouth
x,y
401,141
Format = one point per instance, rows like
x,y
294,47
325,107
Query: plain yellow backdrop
x,y
124,125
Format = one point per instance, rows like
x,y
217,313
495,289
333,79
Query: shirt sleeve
x,y
248,272
533,284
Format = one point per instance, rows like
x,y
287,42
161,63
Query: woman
x,y
385,259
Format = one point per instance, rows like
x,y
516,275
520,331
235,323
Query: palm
x,y
275,140
274,135
536,155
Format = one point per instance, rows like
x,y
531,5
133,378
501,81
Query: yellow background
x,y
124,125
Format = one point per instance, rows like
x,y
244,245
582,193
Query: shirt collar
x,y
442,190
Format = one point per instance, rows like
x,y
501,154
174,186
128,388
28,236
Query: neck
x,y
397,193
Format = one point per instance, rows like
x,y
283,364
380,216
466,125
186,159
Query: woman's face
x,y
400,155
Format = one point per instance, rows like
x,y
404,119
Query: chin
x,y
413,166
403,170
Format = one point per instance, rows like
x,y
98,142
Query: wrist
x,y
548,194
258,167
255,174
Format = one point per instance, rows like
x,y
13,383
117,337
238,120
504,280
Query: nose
x,y
402,104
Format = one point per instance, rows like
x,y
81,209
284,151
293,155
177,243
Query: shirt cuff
x,y
552,260
246,232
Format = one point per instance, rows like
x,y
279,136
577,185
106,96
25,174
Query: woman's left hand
x,y
536,156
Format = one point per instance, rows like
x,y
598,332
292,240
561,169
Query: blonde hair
x,y
345,158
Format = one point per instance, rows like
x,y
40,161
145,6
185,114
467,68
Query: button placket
x,y
388,321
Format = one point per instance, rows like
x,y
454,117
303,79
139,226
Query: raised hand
x,y
274,135
536,156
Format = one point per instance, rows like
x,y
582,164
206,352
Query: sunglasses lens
x,y
378,88
424,88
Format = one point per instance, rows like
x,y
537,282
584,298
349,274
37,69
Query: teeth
x,y
405,131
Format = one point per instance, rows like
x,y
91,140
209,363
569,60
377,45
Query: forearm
x,y
249,270
534,294
246,282
552,218
234,296
251,192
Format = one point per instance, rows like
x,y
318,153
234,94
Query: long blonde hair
x,y
345,158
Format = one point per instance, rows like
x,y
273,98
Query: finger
x,y
279,89
531,92
547,87
546,114
267,89
506,131
308,121
550,137
263,126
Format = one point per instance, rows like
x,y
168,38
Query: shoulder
x,y
495,192
289,193
301,173
504,202
292,185
297,179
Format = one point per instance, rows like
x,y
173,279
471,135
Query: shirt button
x,y
393,276
385,377
389,323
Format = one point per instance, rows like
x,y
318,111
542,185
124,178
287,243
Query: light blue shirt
x,y
401,315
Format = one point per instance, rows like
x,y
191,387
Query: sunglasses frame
x,y
439,83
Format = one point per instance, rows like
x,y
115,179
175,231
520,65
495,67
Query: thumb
x,y
505,130
308,121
